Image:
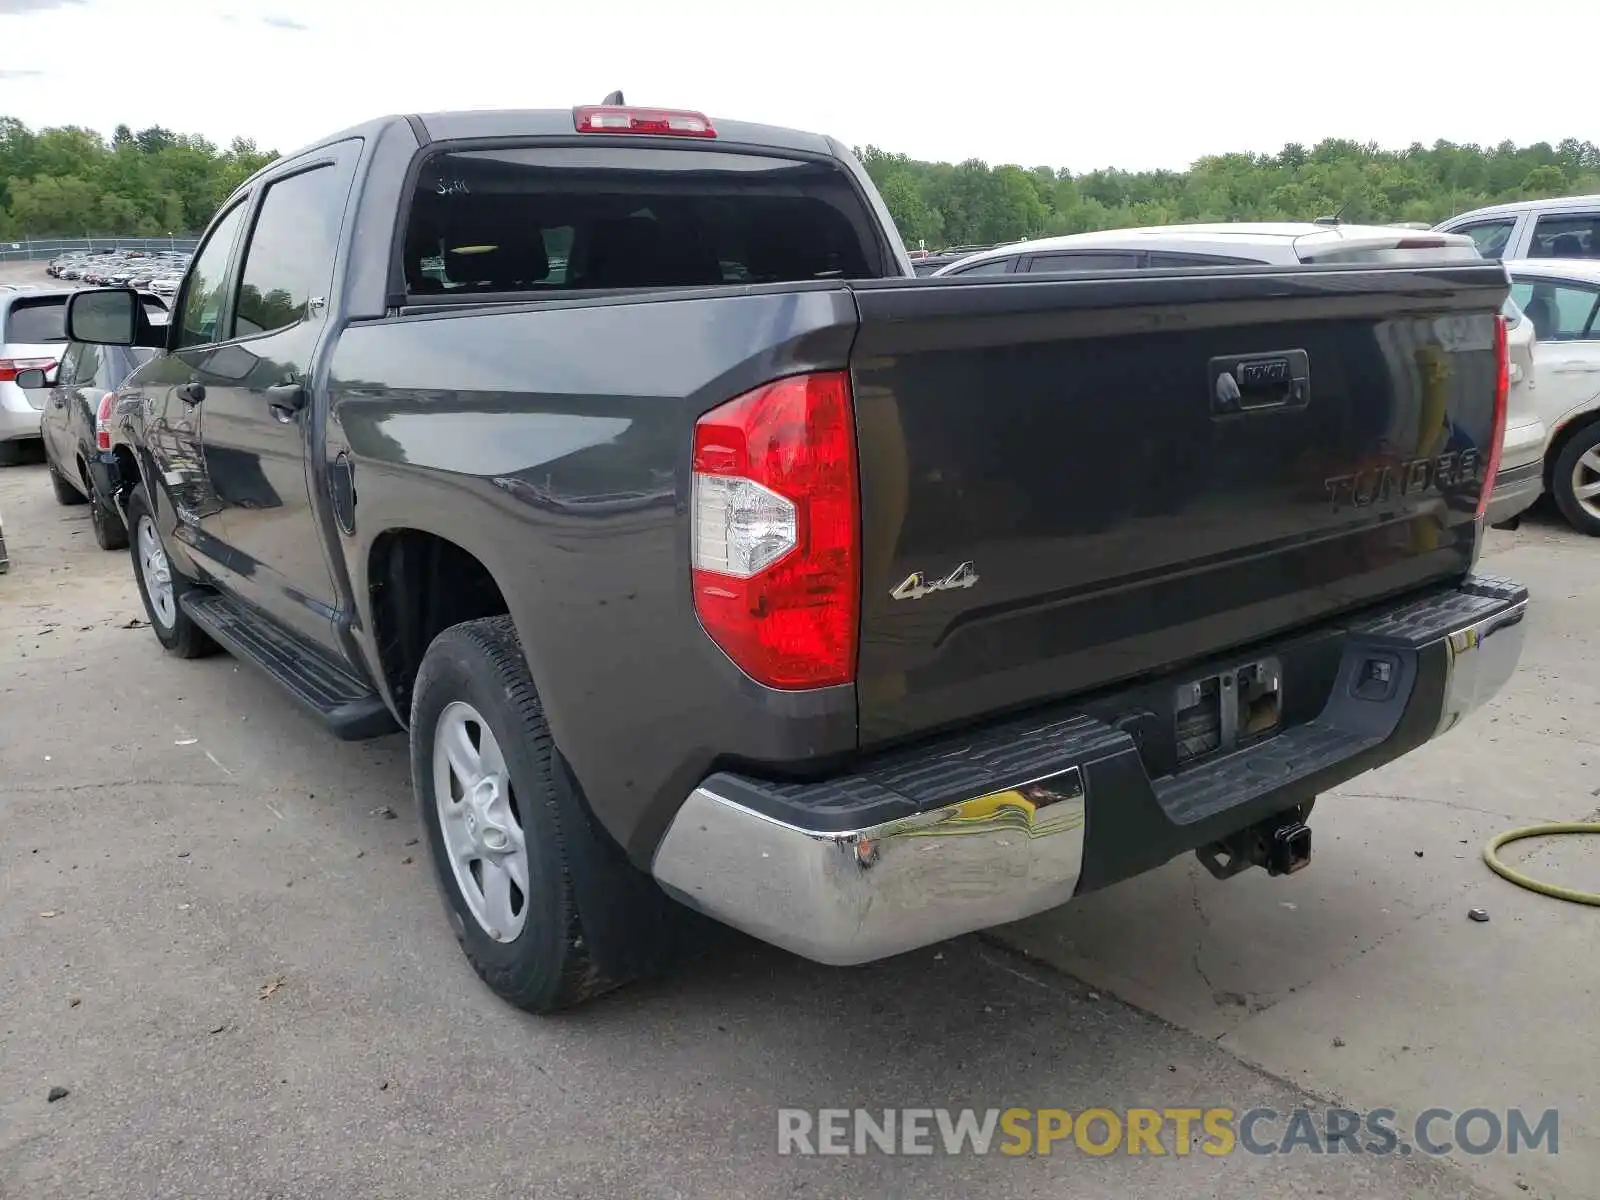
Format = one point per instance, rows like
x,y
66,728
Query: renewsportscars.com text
x,y
1161,1131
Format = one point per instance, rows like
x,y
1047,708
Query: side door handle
x,y
191,393
286,399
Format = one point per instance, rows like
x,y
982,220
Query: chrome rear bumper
x,y
852,897
1483,655
839,894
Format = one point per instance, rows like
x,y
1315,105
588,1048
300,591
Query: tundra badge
x,y
916,586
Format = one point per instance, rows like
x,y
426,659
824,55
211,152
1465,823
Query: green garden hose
x,y
1492,850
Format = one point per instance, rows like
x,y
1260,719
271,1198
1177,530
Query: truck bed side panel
x,y
552,442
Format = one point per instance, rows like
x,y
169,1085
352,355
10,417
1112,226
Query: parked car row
x,y
1552,438
155,271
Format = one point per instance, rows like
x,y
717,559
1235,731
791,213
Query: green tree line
x,y
72,182
952,204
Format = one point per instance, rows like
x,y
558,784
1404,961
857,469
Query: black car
x,y
76,432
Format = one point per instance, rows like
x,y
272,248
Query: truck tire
x,y
66,494
163,599
543,903
1577,465
109,531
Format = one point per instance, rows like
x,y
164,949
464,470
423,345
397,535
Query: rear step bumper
x,y
980,829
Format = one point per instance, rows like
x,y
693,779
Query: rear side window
x,y
36,322
1114,260
1164,258
995,266
289,258
67,372
1490,237
86,370
536,219
1560,312
1566,236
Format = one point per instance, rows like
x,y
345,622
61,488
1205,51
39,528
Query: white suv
x,y
32,334
1566,227
1237,243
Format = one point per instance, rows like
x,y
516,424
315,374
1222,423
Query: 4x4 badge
x,y
915,586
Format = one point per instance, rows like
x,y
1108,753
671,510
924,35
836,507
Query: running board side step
x,y
349,707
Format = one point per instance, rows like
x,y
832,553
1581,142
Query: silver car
x,y
32,334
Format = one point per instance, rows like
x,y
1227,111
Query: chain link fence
x,y
27,249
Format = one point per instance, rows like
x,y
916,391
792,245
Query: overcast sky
x,y
1126,83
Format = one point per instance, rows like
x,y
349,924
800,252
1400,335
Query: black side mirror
x,y
103,316
33,379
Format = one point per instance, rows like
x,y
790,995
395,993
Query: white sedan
x,y
1561,298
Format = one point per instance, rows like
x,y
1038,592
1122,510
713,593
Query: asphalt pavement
x,y
219,935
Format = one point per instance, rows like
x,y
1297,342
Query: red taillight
x,y
1502,393
102,421
664,122
776,531
10,368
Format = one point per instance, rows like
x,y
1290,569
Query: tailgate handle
x,y
1245,383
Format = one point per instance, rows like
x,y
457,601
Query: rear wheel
x,y
109,531
514,851
14,454
162,586
1575,480
66,494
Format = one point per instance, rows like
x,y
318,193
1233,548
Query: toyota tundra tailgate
x,y
1076,481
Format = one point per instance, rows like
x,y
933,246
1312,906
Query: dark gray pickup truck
x,y
715,562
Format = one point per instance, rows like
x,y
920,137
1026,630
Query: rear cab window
x,y
550,218
36,322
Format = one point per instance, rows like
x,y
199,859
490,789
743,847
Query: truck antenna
x,y
1335,219
614,98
